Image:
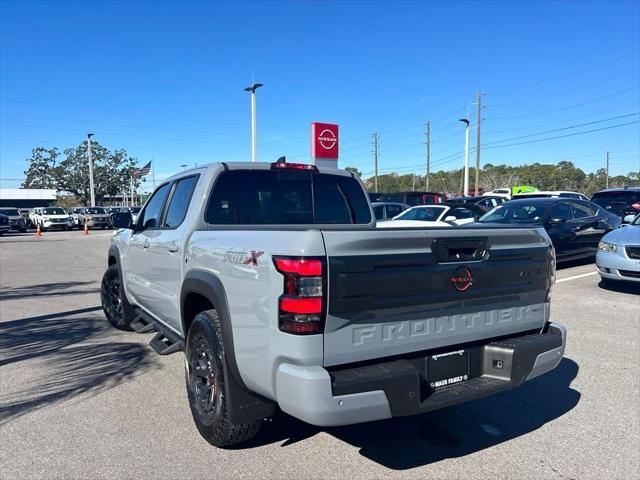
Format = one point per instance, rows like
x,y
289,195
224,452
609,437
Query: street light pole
x,y
466,156
91,187
254,133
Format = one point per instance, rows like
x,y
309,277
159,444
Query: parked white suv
x,y
280,290
53,217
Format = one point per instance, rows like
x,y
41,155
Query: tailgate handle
x,y
462,250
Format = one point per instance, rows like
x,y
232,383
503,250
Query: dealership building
x,y
27,197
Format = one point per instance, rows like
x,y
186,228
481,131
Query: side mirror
x,y
450,218
122,220
557,221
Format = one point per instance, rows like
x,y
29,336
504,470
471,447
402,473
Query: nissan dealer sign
x,y
324,143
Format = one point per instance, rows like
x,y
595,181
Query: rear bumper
x,y
398,387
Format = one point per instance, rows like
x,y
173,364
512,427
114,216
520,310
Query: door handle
x,y
145,244
172,247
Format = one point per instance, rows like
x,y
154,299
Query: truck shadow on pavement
x,y
63,358
409,442
56,288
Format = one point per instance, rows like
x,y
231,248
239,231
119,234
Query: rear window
x,y
286,197
604,199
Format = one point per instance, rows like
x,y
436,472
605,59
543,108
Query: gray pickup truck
x,y
275,282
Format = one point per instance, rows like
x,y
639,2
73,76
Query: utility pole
x,y
254,134
466,158
607,183
92,192
428,133
478,120
375,161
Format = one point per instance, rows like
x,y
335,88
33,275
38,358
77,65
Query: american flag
x,y
141,172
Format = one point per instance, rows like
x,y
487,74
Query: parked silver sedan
x,y
618,256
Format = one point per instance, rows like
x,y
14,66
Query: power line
x,y
561,129
565,75
571,90
568,107
564,136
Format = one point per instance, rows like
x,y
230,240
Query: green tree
x,y
354,170
43,170
112,171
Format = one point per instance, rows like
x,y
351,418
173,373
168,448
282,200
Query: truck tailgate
x,y
396,291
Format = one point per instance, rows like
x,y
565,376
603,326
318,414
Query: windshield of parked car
x,y
516,212
426,214
53,211
9,211
96,211
135,209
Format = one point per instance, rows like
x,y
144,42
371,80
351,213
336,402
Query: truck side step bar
x,y
142,323
165,341
166,344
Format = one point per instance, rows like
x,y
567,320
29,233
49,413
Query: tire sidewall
x,y
123,321
202,328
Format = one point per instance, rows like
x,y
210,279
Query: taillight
x,y
636,206
300,307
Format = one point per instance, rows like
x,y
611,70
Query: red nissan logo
x,y
327,139
461,279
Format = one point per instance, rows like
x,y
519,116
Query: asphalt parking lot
x,y
82,400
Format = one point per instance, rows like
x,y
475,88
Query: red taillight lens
x,y
300,266
300,308
636,206
301,305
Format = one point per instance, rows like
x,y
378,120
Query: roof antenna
x,y
282,160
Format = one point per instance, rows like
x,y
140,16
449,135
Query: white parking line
x,y
576,276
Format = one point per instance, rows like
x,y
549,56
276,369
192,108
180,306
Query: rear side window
x,y
393,210
284,197
561,210
583,210
179,203
378,211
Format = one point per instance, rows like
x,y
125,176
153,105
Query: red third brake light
x,y
294,166
300,307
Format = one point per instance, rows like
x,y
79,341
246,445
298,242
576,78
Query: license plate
x,y
447,368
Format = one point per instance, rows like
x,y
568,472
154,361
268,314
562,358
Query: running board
x,y
166,344
142,323
165,341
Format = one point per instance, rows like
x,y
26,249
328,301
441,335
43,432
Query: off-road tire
x,y
204,343
118,311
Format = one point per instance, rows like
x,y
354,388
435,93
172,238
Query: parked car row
x,y
50,218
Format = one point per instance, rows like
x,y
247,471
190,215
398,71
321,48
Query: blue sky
x,y
165,80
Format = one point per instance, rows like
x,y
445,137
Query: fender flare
x,y
114,252
244,406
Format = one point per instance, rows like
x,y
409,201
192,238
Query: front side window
x,y
150,217
286,197
180,200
